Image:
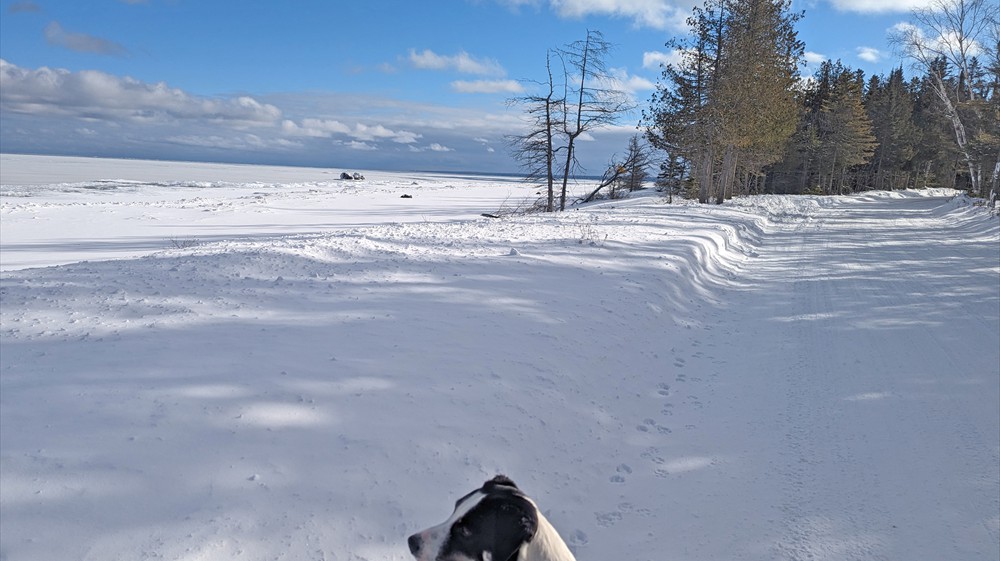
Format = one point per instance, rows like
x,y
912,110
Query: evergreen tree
x,y
679,122
936,152
728,108
845,133
890,106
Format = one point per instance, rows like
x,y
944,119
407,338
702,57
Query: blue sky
x,y
374,84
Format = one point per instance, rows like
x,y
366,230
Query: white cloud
x,y
361,133
869,54
814,58
879,6
487,86
90,94
943,44
231,142
653,60
375,132
462,62
316,128
658,14
433,147
623,81
486,144
361,146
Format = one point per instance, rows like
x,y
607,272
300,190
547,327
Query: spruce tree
x,y
728,108
845,133
890,106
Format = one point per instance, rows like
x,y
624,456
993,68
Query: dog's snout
x,y
414,542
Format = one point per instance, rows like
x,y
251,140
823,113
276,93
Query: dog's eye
x,y
460,529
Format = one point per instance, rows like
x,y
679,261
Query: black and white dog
x,y
496,522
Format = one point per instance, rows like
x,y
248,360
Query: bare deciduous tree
x,y
946,36
626,175
595,104
536,149
588,100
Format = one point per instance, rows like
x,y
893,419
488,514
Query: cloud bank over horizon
x,y
94,113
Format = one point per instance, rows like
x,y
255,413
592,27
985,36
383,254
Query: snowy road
x,y
778,378
876,388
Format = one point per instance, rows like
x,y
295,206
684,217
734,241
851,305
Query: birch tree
x,y
942,42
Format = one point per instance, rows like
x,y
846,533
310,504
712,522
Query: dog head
x,y
492,523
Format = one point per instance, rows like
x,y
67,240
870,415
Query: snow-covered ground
x,y
322,367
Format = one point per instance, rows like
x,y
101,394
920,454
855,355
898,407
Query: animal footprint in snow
x,y
663,390
681,378
680,362
578,539
646,425
622,469
607,519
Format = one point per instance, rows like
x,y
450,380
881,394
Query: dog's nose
x,y
414,543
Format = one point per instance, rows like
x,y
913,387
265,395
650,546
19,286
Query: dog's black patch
x,y
498,480
500,524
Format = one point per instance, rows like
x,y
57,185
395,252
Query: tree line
x,y
734,116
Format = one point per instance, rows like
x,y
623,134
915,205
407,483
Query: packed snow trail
x,y
778,378
875,385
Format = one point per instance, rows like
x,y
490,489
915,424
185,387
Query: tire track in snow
x,y
868,457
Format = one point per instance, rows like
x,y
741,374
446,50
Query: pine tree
x,y
890,106
845,133
936,152
729,107
679,122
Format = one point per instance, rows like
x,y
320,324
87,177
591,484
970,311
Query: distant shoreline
x,y
325,169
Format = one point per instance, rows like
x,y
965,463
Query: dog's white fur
x,y
547,544
433,538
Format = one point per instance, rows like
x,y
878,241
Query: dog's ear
x,y
514,523
499,480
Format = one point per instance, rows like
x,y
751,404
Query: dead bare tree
x,y
627,173
591,103
536,149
